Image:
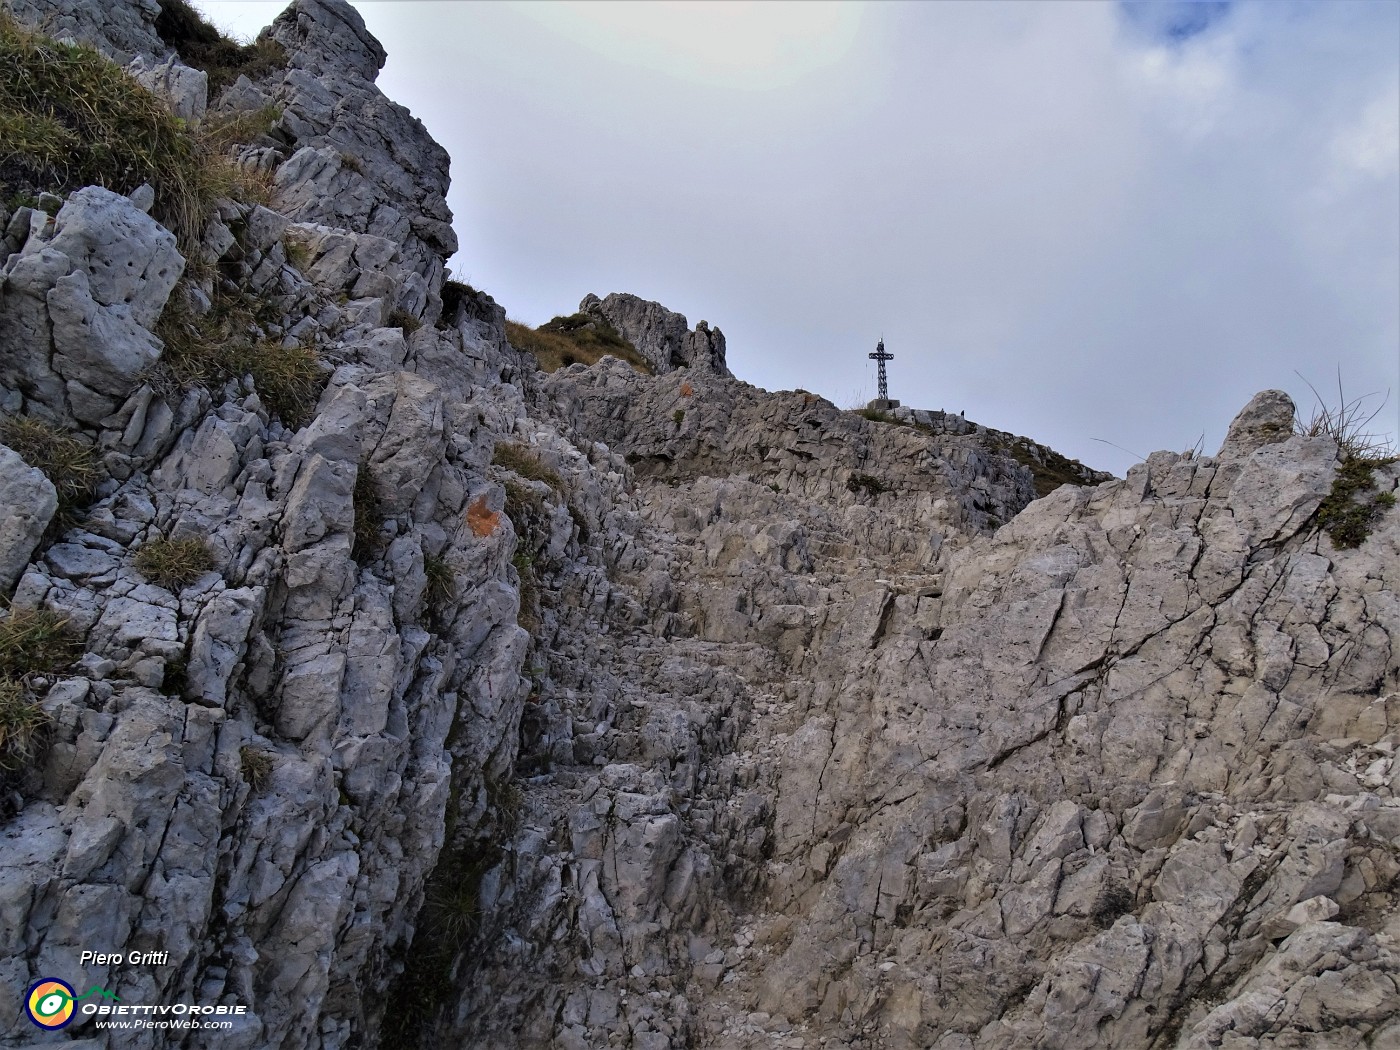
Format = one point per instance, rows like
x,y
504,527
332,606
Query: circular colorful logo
x,y
49,1003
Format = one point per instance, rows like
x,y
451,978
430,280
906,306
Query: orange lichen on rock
x,y
483,520
687,390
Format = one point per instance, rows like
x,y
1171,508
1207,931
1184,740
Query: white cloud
x,y
741,43
1370,147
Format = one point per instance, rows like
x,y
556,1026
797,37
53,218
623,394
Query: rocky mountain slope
x,y
595,708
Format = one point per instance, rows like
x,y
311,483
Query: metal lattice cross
x,y
880,356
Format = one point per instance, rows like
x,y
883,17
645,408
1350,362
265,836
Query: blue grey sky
x,y
1096,224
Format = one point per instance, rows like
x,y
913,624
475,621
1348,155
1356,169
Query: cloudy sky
x,y
1098,224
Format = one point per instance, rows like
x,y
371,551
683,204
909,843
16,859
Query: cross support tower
x,y
881,356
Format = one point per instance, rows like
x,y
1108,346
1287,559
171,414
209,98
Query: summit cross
x,y
881,356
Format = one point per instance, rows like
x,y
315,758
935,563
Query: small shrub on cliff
x,y
401,318
174,564
455,294
21,719
255,766
1114,901
572,340
70,464
35,641
201,45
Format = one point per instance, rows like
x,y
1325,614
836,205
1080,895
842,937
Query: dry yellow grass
x,y
577,339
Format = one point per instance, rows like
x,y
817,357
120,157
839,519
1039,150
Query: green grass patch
x,y
876,416
529,615
220,131
36,641
69,463
174,564
522,460
21,720
227,344
1353,507
441,589
289,380
69,117
1048,473
201,45
572,340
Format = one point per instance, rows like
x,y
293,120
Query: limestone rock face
x,y
358,161
185,90
661,335
1268,418
122,30
77,303
601,709
29,500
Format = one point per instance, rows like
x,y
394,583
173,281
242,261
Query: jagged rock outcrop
x,y
253,770
356,161
660,335
124,31
603,709
80,298
30,502
1094,781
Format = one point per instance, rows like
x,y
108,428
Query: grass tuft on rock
x,y
529,615
69,463
523,460
226,343
70,117
441,590
255,765
202,46
576,339
174,564
1346,421
21,720
35,641
369,517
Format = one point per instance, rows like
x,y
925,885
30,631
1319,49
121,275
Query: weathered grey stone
x,y
129,259
121,30
30,501
186,90
661,336
1267,419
